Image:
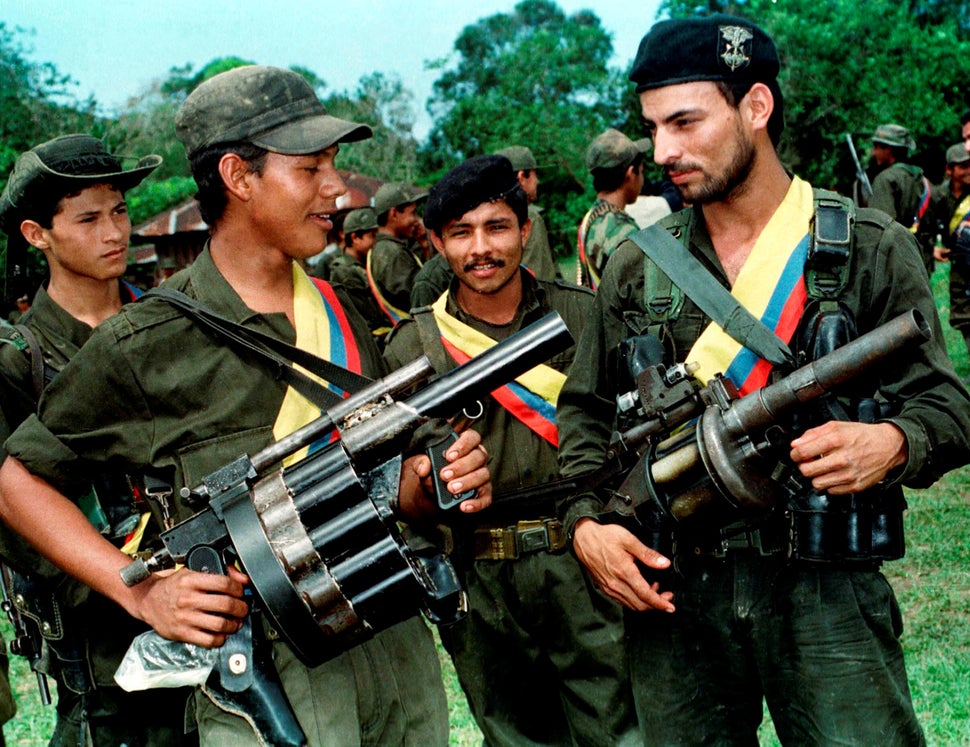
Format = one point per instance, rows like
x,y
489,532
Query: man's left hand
x,y
466,470
844,458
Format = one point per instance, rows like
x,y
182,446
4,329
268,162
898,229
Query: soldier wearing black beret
x,y
743,607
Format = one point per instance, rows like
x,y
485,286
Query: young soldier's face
x,y
292,200
88,237
699,138
484,246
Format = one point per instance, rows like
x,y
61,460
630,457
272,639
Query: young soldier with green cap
x,y
539,654
538,255
749,606
395,258
155,392
616,163
348,268
66,198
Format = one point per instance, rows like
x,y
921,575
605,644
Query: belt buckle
x,y
531,536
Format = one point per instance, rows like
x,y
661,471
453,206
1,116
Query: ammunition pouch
x,y
867,527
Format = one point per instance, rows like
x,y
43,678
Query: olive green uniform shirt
x,y
898,191
393,267
537,255
885,280
431,281
349,274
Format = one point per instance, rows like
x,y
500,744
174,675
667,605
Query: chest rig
x,y
859,528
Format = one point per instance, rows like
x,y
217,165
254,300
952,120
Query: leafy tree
x,y
845,71
384,103
533,77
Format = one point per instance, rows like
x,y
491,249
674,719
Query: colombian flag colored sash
x,y
961,214
531,398
771,285
392,312
322,328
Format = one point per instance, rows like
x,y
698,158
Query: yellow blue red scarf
x,y
771,285
322,328
531,398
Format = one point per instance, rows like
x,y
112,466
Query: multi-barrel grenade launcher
x,y
319,540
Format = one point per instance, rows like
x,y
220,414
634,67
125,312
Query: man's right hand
x,y
199,608
611,552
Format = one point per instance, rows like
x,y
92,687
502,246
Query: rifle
x,y
27,641
860,172
319,539
664,470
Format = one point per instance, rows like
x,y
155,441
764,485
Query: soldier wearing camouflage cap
x,y
951,215
538,255
397,256
154,391
616,163
901,189
729,610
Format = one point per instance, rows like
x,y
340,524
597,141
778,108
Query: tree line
x,y
539,77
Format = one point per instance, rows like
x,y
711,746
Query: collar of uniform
x,y
533,297
55,324
208,286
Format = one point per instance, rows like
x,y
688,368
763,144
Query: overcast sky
x,y
114,49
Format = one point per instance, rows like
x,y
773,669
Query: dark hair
x,y
42,205
734,92
965,118
609,179
212,196
472,183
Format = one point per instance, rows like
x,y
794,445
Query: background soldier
x,y
616,163
952,211
538,255
348,268
66,198
397,256
753,609
539,654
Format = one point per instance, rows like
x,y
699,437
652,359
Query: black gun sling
x,y
279,354
687,272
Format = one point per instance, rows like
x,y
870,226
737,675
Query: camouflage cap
x,y
361,219
893,135
613,148
63,165
957,154
520,157
716,48
395,194
270,107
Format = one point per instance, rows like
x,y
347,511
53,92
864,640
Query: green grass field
x,y
932,583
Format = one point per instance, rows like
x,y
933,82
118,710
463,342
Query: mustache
x,y
469,266
681,166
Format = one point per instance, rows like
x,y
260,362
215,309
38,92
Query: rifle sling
x,y
687,272
279,354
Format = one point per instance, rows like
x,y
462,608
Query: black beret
x,y
468,185
718,48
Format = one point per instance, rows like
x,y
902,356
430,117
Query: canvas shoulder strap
x,y
830,245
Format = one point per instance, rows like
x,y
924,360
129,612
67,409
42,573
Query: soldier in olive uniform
x,y
396,258
616,163
746,608
900,189
539,654
347,269
952,210
66,198
538,255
